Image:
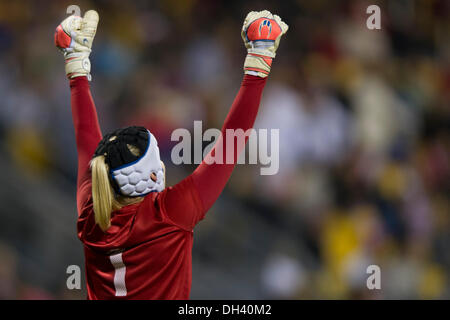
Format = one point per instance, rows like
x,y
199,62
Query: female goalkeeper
x,y
137,234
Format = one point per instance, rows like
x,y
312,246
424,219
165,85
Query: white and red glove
x,y
261,33
74,37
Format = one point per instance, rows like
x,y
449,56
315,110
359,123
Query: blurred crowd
x,y
364,118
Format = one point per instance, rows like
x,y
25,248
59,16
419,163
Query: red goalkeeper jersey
x,y
147,251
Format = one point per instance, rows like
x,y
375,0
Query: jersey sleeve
x,y
87,134
187,202
182,204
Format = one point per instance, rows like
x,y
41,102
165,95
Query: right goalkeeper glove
x,y
74,37
261,33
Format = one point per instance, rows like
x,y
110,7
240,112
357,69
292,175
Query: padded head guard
x,y
130,174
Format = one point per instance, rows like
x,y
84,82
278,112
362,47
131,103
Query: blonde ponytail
x,y
103,197
102,193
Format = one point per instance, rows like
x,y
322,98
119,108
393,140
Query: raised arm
x,y
85,121
74,37
187,202
210,179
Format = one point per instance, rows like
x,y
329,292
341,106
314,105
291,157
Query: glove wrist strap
x,y
257,65
78,67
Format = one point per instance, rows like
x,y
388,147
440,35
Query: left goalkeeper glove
x,y
261,33
74,37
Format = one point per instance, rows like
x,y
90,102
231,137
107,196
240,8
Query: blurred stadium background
x,y
364,143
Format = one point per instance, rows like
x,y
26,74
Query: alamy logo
x,y
74,279
374,20
227,147
73,9
374,280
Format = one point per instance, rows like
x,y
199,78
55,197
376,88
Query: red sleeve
x,y
87,134
182,204
187,202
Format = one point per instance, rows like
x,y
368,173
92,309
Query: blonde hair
x,y
103,197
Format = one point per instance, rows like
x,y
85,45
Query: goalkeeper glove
x,y
261,33
74,37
